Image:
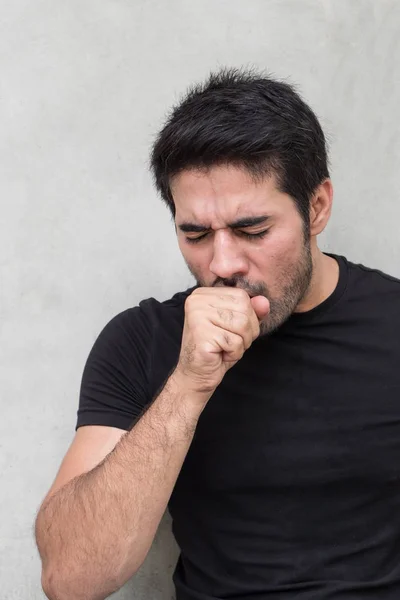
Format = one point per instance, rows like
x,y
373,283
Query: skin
x,y
285,266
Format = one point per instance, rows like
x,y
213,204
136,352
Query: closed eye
x,y
245,234
259,234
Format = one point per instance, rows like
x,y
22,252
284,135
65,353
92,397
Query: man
x,y
263,405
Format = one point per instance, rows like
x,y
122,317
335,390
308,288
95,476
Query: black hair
x,y
248,119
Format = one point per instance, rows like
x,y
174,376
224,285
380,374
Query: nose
x,y
228,260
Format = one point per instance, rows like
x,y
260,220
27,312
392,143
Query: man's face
x,y
236,232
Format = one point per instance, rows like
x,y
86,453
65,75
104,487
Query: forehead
x,y
224,193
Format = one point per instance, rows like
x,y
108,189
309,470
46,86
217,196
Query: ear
x,y
321,207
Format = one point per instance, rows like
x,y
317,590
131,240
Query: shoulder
x,y
130,360
372,279
375,289
144,321
154,311
145,334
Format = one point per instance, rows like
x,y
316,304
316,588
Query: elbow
x,y
59,587
50,586
55,588
128,566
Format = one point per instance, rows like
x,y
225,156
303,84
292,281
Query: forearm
x,y
95,532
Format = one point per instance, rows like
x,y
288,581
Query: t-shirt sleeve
x,y
115,388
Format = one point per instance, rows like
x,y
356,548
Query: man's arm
x,y
94,532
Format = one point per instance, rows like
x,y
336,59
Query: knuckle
x,y
242,295
243,321
227,339
245,304
189,302
225,314
198,291
230,297
192,304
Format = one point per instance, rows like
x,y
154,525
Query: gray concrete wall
x,y
84,87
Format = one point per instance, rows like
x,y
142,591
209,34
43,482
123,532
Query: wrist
x,y
178,408
193,391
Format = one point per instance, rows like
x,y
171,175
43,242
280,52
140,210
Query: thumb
x,y
260,306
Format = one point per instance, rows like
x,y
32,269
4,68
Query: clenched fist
x,y
220,324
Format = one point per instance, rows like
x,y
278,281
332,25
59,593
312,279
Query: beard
x,y
292,285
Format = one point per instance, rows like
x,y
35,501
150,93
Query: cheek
x,y
289,246
195,258
278,254
282,247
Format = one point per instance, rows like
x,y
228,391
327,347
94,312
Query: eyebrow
x,y
243,223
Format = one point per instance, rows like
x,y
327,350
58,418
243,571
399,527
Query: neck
x,y
324,280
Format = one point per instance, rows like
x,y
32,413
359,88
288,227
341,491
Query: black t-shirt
x,y
291,487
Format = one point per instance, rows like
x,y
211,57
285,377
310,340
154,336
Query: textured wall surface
x,y
84,87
